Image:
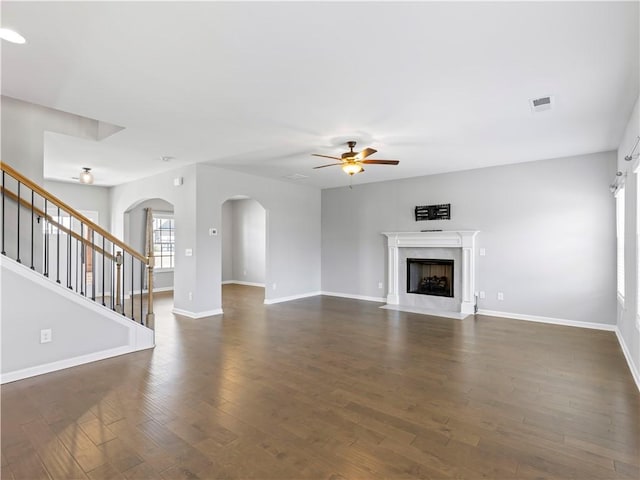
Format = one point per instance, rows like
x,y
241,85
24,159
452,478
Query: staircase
x,y
95,285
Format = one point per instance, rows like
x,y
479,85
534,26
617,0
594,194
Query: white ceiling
x,y
257,87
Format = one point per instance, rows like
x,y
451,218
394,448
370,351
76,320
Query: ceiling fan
x,y
352,162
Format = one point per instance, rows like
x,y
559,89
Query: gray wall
x,y
292,232
22,131
28,307
628,325
547,227
23,127
84,197
134,235
243,247
226,240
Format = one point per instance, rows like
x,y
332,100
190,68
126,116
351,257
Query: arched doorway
x,y
163,237
243,250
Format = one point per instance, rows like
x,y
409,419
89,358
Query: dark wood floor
x,y
331,388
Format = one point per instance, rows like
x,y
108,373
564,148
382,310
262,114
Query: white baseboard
x,y
271,301
627,355
554,321
355,297
240,282
161,289
187,313
68,363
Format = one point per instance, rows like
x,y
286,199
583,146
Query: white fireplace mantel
x,y
463,239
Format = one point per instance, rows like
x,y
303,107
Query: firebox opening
x,y
427,276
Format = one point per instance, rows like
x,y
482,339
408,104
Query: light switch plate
x,y
188,252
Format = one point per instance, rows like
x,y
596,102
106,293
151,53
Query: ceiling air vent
x,y
541,104
296,176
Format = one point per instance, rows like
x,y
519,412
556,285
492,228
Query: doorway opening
x,y
243,242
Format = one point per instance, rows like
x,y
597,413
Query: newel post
x,y
151,317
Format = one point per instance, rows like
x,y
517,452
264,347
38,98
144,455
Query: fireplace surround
x,y
416,245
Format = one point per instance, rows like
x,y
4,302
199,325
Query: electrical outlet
x,y
380,285
500,296
483,295
244,272
190,295
45,336
483,252
273,285
188,252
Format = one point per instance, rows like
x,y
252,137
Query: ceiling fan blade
x,y
365,153
381,162
329,165
325,156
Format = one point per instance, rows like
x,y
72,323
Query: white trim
x,y
145,290
554,321
620,299
69,362
627,355
160,289
206,313
270,301
355,297
240,282
463,239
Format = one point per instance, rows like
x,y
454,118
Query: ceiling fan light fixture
x,y
352,168
86,176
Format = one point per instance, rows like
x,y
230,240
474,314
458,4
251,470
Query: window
x,y
620,241
163,241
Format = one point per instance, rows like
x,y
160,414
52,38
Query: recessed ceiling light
x,y
11,36
167,158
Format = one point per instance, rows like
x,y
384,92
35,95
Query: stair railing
x,y
49,236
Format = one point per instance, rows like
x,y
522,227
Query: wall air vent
x,y
541,104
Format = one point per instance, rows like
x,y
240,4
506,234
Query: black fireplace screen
x,y
426,276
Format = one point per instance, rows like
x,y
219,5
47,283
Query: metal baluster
x,y
113,256
119,262
104,252
69,252
58,250
32,200
3,250
133,315
18,248
83,280
78,245
93,266
46,240
123,282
